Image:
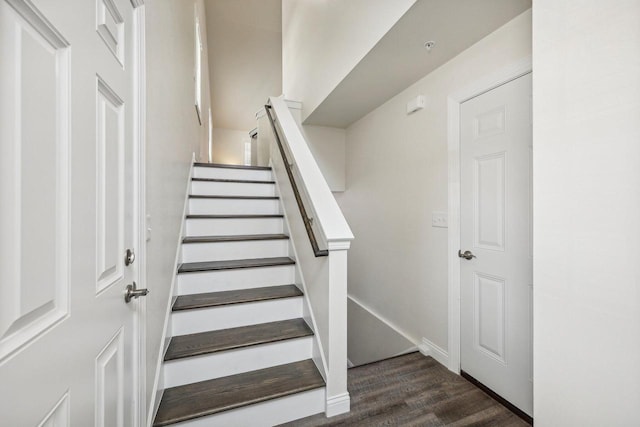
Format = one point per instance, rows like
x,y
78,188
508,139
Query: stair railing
x,y
308,220
321,238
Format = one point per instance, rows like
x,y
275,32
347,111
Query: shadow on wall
x,y
370,339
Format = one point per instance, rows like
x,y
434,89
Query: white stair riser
x,y
185,322
269,413
209,188
234,206
230,173
227,280
221,364
219,251
233,226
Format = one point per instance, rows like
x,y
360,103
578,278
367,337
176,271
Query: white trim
x,y
338,245
428,348
339,404
480,86
388,323
158,388
293,105
140,210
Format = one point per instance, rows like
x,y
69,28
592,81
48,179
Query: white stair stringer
x,y
230,226
205,251
269,413
218,188
228,206
185,322
231,173
226,280
230,362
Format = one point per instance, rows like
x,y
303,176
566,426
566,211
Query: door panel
x,y
495,149
67,338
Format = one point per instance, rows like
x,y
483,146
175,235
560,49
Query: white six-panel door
x,y
66,215
496,209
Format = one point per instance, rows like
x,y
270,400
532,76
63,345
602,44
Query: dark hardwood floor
x,y
414,390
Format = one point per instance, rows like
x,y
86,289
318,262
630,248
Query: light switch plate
x,y
439,219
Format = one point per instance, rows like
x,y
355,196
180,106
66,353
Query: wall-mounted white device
x,y
417,103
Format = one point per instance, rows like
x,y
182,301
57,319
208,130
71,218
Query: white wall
x,y
228,146
327,144
323,40
173,134
396,176
364,346
245,47
586,106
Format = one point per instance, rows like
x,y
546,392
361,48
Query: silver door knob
x,y
129,257
133,292
466,254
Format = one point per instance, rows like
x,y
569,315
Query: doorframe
x,y
139,210
478,87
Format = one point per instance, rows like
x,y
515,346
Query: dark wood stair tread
x,y
203,196
209,397
235,181
227,339
214,299
189,267
225,166
233,216
234,238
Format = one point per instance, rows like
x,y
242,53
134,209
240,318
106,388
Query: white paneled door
x,y
68,343
496,276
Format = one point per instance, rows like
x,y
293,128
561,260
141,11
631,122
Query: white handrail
x,y
328,215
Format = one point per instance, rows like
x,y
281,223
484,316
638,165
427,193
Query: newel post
x,y
338,400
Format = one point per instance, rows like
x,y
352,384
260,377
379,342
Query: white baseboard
x,y
440,355
336,405
350,363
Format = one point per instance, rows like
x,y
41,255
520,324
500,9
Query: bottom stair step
x,y
211,397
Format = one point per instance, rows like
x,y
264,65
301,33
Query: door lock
x,y
129,257
133,292
466,254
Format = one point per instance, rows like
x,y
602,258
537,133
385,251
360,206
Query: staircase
x,y
240,351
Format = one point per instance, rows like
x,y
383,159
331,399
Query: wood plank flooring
x,y
212,396
226,166
243,336
234,238
238,296
189,267
414,390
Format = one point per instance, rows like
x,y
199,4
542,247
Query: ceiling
x,y
399,59
245,58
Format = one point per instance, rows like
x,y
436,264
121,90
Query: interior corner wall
x,y
228,146
322,41
173,133
586,130
397,176
327,144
